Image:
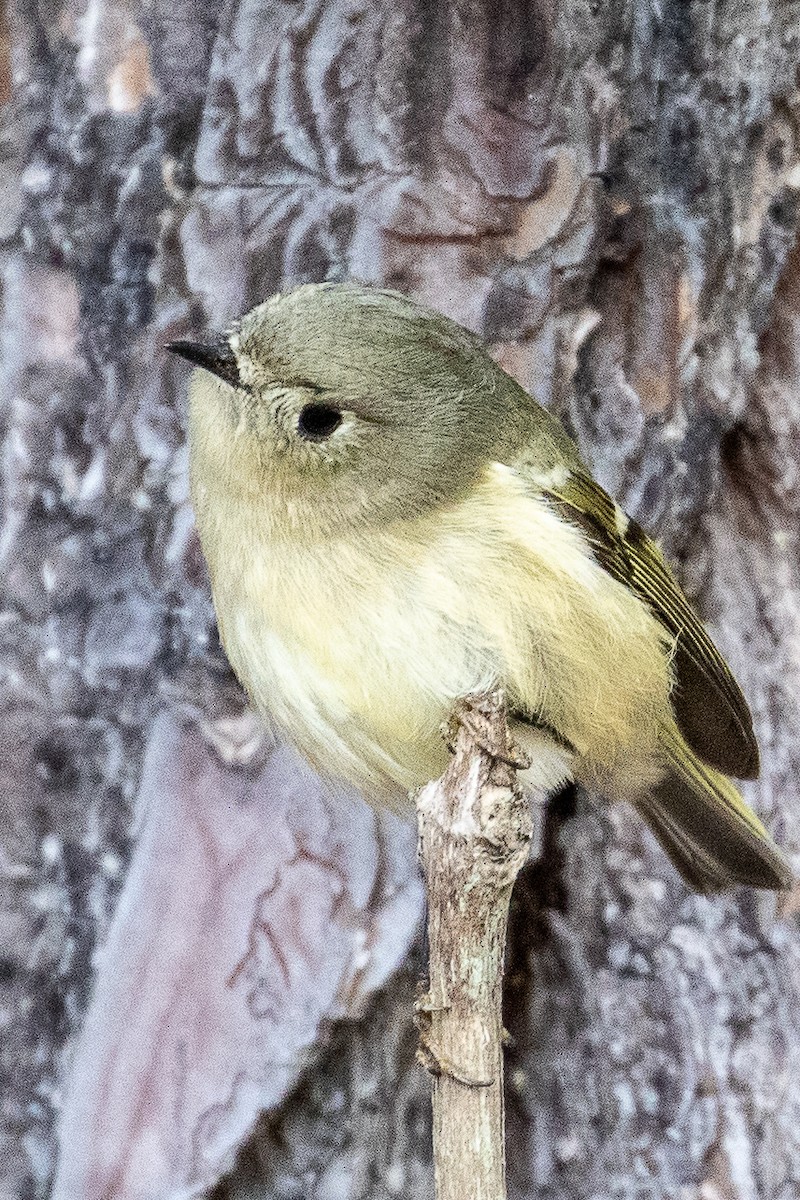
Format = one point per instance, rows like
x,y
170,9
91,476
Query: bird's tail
x,y
713,838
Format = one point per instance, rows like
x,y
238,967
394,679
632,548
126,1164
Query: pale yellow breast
x,y
355,654
359,648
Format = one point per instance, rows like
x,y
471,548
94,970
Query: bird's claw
x,y
468,714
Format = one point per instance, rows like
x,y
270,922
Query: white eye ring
x,y
316,422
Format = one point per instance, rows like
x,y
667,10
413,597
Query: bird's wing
x,y
713,838
709,708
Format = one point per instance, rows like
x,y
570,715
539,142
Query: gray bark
x,y
476,830
193,930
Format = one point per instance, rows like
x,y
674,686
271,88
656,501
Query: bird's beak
x,y
216,357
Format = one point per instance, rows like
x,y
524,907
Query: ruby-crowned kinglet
x,y
392,523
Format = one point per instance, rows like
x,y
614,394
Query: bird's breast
x,y
355,652
359,646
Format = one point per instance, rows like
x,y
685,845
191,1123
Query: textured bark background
x,y
193,931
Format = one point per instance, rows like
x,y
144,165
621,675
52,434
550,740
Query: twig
x,y
475,829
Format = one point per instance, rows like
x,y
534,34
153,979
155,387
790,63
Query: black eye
x,y
318,421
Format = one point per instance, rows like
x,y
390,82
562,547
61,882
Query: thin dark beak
x,y
216,357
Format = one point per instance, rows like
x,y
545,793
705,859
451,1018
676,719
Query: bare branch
x,y
475,829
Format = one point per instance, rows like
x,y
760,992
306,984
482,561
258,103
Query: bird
x,y
392,523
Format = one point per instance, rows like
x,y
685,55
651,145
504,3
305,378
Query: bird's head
x,y
341,404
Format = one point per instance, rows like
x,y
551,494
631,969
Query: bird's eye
x,y
317,422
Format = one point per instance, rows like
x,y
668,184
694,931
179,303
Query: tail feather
x,y
713,838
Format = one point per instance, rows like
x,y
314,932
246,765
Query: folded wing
x,y
710,710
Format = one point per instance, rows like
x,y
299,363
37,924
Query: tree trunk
x,y
193,930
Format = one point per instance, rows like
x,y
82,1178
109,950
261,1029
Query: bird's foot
x,y
492,736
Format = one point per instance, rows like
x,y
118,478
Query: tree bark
x,y
193,931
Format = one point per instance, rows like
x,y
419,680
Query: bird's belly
x,y
367,703
360,662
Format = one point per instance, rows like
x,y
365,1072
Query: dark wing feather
x,y
710,710
713,838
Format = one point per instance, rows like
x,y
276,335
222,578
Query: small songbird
x,y
391,523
